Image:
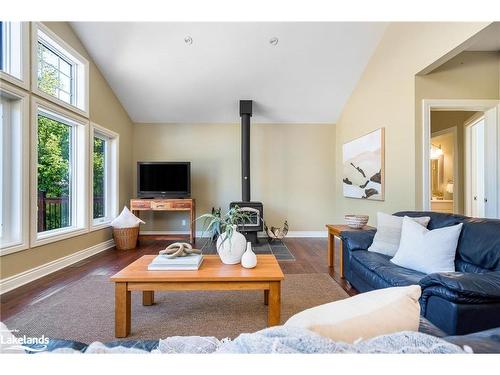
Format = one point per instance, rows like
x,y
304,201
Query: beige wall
x,y
292,169
470,75
385,97
105,110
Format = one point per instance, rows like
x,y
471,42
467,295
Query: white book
x,y
192,259
175,267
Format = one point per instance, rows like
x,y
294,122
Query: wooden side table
x,y
335,230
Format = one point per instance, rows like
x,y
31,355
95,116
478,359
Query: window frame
x,y
23,98
79,183
79,63
112,181
24,80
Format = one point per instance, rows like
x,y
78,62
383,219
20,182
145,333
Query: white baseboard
x,y
15,281
200,234
305,233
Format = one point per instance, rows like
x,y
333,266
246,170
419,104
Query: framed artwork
x,y
363,166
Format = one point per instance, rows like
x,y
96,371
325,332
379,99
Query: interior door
x,y
477,158
481,169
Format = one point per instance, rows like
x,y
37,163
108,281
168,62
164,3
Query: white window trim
x,y
73,55
23,244
113,184
24,81
80,223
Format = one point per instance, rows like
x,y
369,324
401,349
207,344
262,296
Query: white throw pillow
x,y
365,315
388,235
427,251
126,220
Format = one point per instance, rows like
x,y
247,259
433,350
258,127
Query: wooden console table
x,y
335,230
137,205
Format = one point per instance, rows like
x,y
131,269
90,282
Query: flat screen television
x,y
163,179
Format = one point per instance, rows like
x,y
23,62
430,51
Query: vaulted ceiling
x,y
197,72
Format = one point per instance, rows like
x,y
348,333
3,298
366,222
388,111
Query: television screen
x,y
169,179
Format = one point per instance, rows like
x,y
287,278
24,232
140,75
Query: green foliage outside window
x,y
99,181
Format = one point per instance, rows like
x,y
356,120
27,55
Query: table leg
x,y
266,297
331,249
148,297
274,309
122,310
192,236
341,259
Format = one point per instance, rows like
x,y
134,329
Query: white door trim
x,y
444,105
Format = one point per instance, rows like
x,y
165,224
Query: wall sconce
x,y
436,152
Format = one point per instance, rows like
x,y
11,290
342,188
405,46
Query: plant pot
x,y
231,250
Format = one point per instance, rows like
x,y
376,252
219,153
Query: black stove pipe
x,y
245,113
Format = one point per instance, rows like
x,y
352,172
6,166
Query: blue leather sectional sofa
x,y
460,302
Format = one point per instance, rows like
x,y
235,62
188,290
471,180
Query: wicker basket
x,y
356,221
126,238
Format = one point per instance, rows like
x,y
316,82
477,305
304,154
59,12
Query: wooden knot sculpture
x,y
179,249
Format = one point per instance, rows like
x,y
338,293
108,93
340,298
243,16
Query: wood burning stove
x,y
255,210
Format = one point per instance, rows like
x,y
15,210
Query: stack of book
x,y
188,263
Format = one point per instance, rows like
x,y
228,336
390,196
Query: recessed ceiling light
x,y
188,39
273,41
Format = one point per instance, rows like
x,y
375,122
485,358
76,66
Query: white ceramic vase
x,y
231,251
249,259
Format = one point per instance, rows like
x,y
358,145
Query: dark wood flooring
x,y
309,253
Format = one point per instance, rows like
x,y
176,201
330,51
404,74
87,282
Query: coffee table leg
x,y
274,309
148,297
266,297
122,310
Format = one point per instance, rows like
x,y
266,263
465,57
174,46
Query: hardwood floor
x,y
310,255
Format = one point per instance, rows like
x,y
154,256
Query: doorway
x,y
461,152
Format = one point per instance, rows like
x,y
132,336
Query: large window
x,y
13,169
55,180
60,171
60,74
14,52
104,144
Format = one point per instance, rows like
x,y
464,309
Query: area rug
x,y
84,310
277,247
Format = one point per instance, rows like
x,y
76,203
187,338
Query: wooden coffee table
x,y
212,275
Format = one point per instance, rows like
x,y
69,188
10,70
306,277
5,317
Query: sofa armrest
x,y
463,287
357,240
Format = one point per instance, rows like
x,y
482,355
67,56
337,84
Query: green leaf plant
x,y
216,224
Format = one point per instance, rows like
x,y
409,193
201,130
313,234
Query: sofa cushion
x,y
381,265
426,250
388,235
479,242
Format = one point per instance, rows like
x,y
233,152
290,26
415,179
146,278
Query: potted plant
x,y
230,243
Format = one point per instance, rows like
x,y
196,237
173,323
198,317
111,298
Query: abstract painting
x,y
363,167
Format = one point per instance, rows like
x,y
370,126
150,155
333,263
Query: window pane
x,y
10,172
65,68
49,57
64,96
65,83
99,178
54,174
54,74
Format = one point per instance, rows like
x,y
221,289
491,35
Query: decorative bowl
x,y
356,221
